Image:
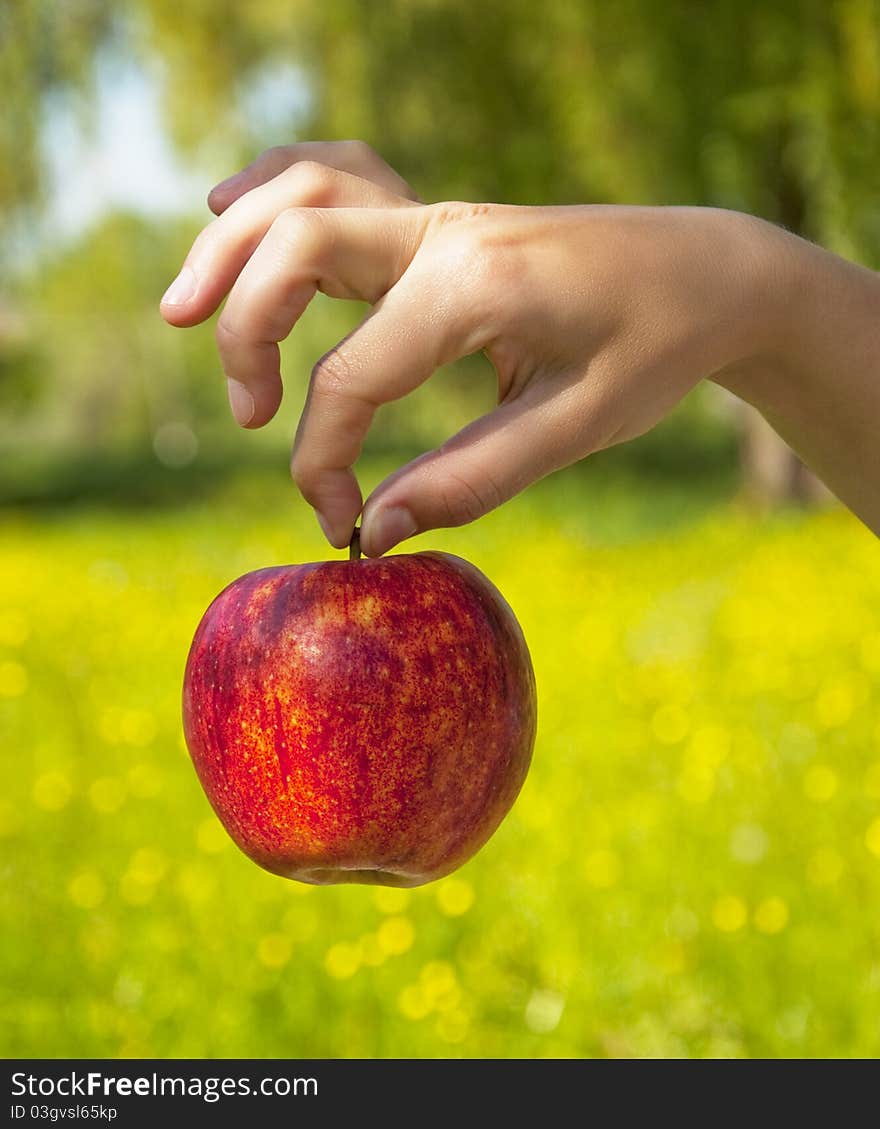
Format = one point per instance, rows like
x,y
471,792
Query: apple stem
x,y
354,548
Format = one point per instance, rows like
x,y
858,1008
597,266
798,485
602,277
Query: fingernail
x,y
241,402
181,289
389,527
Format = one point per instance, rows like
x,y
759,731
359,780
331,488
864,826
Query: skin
x,y
598,320
361,721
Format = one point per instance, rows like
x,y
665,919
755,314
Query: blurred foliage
x,y
692,869
771,108
46,52
110,378
739,104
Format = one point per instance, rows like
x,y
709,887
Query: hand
x,y
597,319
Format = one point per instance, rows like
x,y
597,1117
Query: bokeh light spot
x,y
165,936
682,922
835,704
696,784
109,725
709,745
670,724
729,913
145,780
413,1003
748,843
52,791
128,992
195,882
389,899
396,935
301,920
86,889
13,679
771,915
274,950
98,940
211,836
824,866
820,783
872,838
14,627
175,444
146,868
544,1011
672,958
440,984
134,891
454,896
107,794
602,869
137,727
872,781
148,865
870,652
452,1026
342,960
535,811
372,953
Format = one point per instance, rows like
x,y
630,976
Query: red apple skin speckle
x,y
361,721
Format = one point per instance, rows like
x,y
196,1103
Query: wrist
x,y
776,287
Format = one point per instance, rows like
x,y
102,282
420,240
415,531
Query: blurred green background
x,y
693,867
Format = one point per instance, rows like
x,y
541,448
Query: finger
x,y
225,245
421,324
346,253
348,156
484,465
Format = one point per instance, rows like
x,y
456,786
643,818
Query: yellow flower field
x,y
692,869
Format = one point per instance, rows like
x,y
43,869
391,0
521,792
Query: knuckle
x,y
473,256
456,213
305,475
310,182
299,229
478,273
225,334
453,257
465,496
336,376
332,375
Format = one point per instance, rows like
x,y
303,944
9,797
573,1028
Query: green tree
x,y
46,51
772,107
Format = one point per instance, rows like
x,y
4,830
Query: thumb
x,y
484,465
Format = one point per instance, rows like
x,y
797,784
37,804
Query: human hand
x,y
597,319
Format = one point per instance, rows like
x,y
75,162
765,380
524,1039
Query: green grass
x,y
693,867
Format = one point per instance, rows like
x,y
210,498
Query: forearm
x,y
817,377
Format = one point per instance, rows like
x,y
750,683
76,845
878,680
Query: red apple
x,y
369,720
